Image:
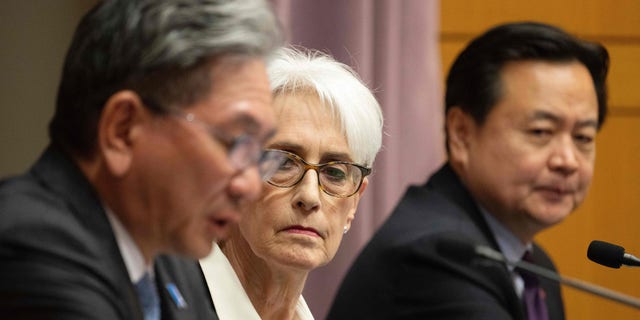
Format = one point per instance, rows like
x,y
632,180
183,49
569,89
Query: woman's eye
x,y
288,164
334,173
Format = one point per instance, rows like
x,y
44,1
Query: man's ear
x,y
120,121
460,130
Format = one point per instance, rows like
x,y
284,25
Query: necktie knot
x,y
530,279
148,297
533,295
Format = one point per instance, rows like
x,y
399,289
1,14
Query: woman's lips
x,y
302,230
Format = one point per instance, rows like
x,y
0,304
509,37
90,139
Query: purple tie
x,y
533,295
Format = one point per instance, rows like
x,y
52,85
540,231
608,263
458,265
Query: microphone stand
x,y
491,254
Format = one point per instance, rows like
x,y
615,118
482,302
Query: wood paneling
x,y
612,209
624,77
618,19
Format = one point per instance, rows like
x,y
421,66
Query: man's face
x,y
531,162
190,188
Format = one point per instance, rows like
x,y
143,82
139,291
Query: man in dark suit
x,y
524,102
156,140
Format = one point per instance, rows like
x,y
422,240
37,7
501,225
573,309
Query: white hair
x,y
340,88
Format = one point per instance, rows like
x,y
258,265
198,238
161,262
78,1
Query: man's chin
x,y
197,251
552,217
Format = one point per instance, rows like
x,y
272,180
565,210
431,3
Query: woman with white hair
x,y
329,130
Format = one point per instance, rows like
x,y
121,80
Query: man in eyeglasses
x,y
161,115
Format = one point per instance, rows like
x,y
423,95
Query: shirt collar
x,y
131,254
510,246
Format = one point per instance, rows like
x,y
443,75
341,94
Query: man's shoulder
x,y
403,260
27,209
40,190
411,235
425,213
52,252
52,200
27,206
40,220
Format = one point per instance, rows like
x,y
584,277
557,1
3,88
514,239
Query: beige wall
x,y
612,209
34,35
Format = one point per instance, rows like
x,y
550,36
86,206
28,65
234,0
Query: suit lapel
x,y
58,172
447,184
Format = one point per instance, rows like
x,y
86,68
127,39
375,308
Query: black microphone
x,y
610,255
466,252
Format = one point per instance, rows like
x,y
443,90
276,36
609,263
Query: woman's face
x,y
301,227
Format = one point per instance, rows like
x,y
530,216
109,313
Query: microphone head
x,y
605,253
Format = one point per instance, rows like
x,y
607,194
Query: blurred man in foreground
x,y
162,112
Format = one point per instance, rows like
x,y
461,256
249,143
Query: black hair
x,y
473,83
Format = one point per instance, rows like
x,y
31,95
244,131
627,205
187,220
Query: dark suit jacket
x,y
401,275
59,258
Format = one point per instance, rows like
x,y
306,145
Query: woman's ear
x,y
121,118
356,199
460,129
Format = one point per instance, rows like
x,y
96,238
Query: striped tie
x,y
148,295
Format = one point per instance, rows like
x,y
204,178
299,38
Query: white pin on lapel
x,y
176,296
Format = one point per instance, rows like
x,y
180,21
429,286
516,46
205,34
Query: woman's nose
x,y
308,191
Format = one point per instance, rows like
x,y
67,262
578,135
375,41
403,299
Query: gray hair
x,y
340,88
159,48
183,32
